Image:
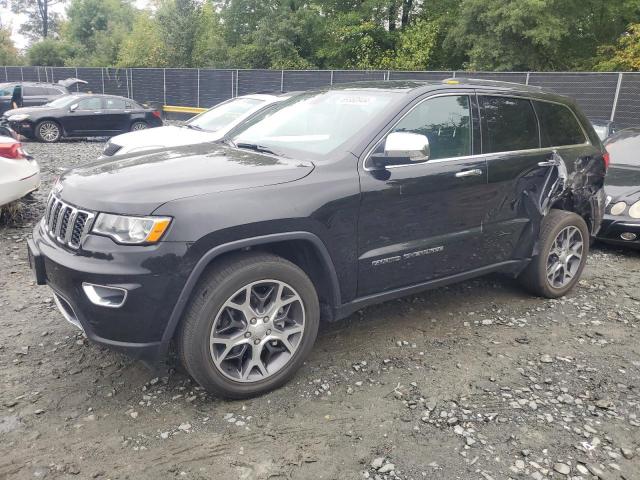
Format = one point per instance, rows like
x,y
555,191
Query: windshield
x,y
623,148
62,101
224,114
315,122
6,89
602,131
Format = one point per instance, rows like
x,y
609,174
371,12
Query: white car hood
x,y
167,136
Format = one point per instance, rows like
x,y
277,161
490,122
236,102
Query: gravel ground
x,y
473,381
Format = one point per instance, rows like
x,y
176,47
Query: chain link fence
x,y
604,96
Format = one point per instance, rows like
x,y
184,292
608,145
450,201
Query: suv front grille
x,y
111,149
67,224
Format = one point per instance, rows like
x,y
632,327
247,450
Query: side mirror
x,y
401,148
73,107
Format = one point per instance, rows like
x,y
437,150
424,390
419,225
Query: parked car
x,y
208,126
19,173
82,115
334,200
604,128
35,93
621,224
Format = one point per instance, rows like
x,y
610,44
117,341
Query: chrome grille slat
x,y
65,223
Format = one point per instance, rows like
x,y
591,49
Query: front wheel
x,y
562,255
138,125
48,131
251,323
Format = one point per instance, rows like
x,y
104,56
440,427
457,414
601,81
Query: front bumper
x,y
24,128
150,275
613,228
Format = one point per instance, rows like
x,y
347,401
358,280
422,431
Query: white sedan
x,y
208,126
19,173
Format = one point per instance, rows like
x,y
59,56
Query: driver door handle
x,y
548,163
469,173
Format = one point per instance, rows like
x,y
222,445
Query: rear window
x,y
510,124
30,91
559,125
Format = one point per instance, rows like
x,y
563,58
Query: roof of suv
x,y
417,87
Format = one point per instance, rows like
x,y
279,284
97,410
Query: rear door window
x,y
445,121
30,91
509,124
559,125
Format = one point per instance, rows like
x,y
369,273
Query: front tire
x,y
138,125
562,255
48,131
250,325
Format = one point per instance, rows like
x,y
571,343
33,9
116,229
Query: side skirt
x,y
511,266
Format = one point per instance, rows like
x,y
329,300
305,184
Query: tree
x,y
625,55
96,30
210,48
41,22
537,34
415,47
8,52
143,46
48,53
178,24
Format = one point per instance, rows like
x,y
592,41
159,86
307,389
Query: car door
x,y
85,117
116,115
34,95
519,175
422,221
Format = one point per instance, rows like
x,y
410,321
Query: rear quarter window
x,y
559,126
509,124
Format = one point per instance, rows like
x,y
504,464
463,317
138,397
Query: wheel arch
x,y
304,249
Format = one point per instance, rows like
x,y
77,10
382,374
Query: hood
x,y
137,184
27,110
623,183
167,136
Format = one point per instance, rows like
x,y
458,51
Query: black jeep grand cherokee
x,y
336,199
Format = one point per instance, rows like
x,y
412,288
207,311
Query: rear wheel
x,y
563,249
48,131
252,322
138,125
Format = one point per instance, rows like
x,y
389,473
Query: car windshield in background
x,y
62,101
316,122
602,131
624,148
224,114
6,90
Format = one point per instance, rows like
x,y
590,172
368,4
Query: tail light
x,y
156,114
12,150
607,159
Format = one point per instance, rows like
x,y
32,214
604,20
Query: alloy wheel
x,y
565,257
49,131
257,331
138,126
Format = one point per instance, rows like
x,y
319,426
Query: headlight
x,y
131,230
634,210
19,117
618,208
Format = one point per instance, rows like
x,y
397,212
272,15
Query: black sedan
x,y
82,115
621,223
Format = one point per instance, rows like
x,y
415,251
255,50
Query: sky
x,y
14,21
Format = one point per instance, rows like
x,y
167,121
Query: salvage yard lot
x,y
473,381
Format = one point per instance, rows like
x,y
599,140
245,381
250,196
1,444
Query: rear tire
x,y
48,131
563,247
251,323
139,125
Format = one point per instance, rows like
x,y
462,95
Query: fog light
x,y
628,236
112,297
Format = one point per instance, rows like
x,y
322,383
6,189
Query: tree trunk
x,y
393,15
406,11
